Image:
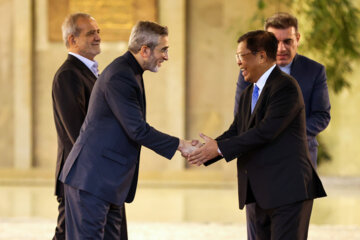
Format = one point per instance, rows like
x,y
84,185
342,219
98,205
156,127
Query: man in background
x,y
311,77
71,90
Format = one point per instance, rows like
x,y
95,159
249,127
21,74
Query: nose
x,y
238,61
97,37
281,46
166,55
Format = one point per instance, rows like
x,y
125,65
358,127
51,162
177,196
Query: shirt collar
x,y
286,68
92,65
262,80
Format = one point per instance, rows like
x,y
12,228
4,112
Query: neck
x,y
73,50
266,66
138,58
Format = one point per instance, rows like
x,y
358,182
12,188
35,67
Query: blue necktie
x,y
255,96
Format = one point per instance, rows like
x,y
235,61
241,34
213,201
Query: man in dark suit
x,y
268,136
311,77
101,171
71,90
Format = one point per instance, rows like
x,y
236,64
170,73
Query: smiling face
x,y
288,43
87,44
158,55
249,63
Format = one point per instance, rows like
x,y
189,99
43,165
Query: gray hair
x,y
146,33
69,26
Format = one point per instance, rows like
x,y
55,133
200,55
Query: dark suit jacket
x,y
273,159
105,158
311,77
71,90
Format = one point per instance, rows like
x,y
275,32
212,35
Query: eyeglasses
x,y
240,56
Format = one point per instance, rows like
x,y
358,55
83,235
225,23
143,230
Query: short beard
x,y
151,65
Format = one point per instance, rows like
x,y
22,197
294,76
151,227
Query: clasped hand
x,y
198,153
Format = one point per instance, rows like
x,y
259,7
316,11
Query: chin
x,y
155,69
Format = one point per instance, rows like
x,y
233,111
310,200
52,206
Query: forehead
x,y
86,24
282,34
241,48
163,41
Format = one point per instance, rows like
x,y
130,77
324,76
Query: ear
x,y
144,51
297,38
71,40
262,56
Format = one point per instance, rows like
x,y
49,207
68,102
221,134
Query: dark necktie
x,y
255,96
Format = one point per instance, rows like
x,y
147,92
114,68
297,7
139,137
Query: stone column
x,y
22,72
173,14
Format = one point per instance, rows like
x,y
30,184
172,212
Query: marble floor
x,y
174,210
42,229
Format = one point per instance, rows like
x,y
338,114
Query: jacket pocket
x,y
115,156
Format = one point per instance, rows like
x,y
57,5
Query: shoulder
x,y
307,63
67,75
279,80
119,68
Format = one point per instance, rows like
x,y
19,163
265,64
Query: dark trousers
x,y
89,217
60,228
250,220
286,222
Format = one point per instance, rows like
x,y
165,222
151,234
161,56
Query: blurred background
x,y
193,92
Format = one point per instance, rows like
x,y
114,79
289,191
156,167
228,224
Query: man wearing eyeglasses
x,y
101,171
268,138
311,77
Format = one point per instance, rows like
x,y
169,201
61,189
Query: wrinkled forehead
x,y
283,33
84,23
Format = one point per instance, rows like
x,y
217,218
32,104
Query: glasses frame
x,y
240,56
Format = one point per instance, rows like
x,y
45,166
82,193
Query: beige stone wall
x,y
6,86
193,92
165,90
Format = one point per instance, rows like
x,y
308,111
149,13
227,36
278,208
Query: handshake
x,y
198,153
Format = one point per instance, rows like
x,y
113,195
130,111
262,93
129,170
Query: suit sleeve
x,y
69,102
231,132
319,116
123,99
240,87
284,105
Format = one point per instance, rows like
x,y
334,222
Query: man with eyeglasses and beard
x,y
101,171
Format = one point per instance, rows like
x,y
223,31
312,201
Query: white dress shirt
x,y
262,80
92,65
286,68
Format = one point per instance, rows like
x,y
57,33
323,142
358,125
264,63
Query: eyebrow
x,y
93,31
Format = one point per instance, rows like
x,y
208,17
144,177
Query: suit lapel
x,y
295,71
138,72
140,83
264,93
84,69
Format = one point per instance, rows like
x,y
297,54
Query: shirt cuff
x,y
219,152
